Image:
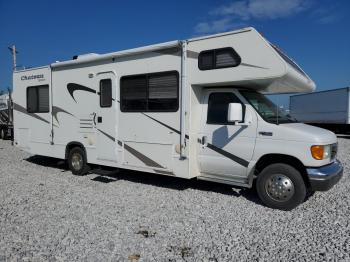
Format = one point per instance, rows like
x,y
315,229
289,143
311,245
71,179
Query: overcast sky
x,y
315,33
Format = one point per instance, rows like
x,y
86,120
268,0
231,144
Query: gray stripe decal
x,y
141,157
173,129
56,110
255,66
234,158
109,136
23,110
192,54
146,160
164,172
170,51
220,151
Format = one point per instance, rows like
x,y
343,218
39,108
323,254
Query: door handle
x,y
263,133
204,140
99,119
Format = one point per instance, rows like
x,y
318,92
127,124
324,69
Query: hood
x,y
305,133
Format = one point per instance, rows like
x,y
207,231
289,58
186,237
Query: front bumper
x,y
325,177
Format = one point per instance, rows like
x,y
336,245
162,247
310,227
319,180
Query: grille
x,y
334,150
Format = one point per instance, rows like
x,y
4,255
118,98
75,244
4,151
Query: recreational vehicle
x,y
6,127
191,109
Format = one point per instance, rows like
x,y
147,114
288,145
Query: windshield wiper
x,y
292,118
273,117
280,119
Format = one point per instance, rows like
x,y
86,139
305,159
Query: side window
x,y
218,107
163,92
133,93
218,58
156,92
106,93
38,99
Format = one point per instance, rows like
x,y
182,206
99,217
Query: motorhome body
x,y
163,109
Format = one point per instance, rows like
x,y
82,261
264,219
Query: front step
x,y
104,172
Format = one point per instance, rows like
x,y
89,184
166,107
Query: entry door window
x,y
218,107
106,93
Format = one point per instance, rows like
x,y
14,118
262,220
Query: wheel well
x,y
71,145
269,159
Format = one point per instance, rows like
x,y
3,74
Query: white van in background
x,y
192,109
329,109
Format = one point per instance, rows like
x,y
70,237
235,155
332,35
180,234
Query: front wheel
x,y
281,186
77,161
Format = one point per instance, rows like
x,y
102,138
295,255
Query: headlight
x,y
321,152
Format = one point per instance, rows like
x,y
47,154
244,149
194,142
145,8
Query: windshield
x,y
267,109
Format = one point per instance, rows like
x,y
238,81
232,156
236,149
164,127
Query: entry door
x,y
105,118
226,149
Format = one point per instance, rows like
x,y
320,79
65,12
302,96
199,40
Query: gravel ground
x,y
46,213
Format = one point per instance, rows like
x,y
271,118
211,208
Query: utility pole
x,y
14,53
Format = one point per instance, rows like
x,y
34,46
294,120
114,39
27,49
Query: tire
x,y
281,186
77,161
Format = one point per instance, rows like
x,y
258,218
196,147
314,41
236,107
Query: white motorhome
x,y
189,109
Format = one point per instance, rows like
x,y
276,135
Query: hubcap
x,y
77,161
279,187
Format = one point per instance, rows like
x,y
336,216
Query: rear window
x,y
38,99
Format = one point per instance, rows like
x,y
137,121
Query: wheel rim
x,y
280,188
77,161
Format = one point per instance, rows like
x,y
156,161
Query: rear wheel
x,y
77,161
281,186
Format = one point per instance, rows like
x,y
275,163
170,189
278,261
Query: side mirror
x,y
235,112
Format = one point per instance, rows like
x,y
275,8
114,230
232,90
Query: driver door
x,y
226,149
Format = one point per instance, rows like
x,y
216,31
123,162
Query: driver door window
x,y
218,107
